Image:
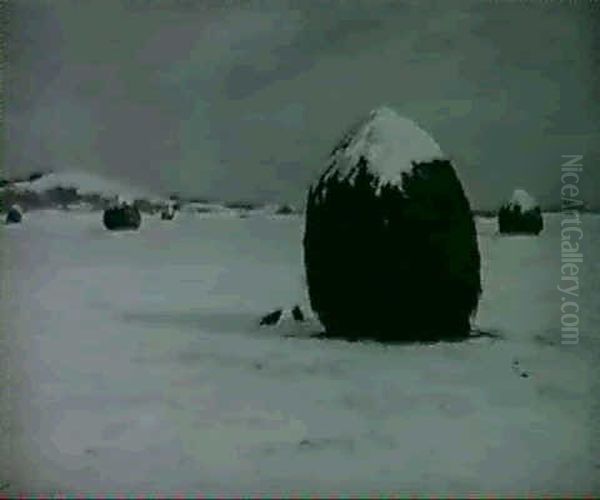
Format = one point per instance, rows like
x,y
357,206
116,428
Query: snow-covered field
x,y
132,364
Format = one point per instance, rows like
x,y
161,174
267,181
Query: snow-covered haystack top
x,y
521,198
389,143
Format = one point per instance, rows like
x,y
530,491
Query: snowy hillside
x,y
84,183
51,190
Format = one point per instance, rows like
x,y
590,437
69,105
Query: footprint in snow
x,y
518,370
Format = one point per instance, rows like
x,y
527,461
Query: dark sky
x,y
244,100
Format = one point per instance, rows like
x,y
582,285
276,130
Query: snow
x,y
85,183
390,143
523,199
219,208
136,366
208,209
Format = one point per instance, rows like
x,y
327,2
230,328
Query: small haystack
x,y
520,215
122,217
14,215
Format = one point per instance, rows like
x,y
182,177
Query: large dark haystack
x,y
123,217
521,215
14,215
391,260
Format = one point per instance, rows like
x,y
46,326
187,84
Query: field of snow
x,y
132,364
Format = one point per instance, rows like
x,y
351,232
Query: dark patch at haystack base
x,y
14,215
297,313
124,217
513,220
399,265
275,317
272,318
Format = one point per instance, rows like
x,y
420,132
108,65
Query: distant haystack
x,y
285,210
390,245
168,213
122,217
520,215
14,215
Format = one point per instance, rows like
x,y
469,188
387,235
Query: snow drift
x,y
390,245
520,215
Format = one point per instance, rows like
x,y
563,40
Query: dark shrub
x,y
62,196
241,205
35,176
28,200
8,198
167,213
285,210
122,217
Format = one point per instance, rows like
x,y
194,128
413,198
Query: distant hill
x,y
86,191
69,190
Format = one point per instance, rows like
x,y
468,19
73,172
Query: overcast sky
x,y
244,100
